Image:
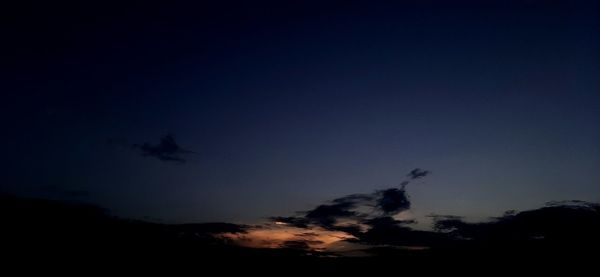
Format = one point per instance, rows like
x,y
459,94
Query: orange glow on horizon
x,y
274,236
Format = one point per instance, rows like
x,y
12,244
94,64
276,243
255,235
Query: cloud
x,y
559,223
296,244
278,236
383,230
357,207
364,216
301,244
166,150
327,215
299,222
393,201
307,235
367,221
417,173
354,199
447,223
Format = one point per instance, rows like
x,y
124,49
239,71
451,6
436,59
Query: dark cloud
x,y
308,234
446,223
354,199
352,229
371,220
393,200
327,215
386,230
167,150
559,223
347,207
382,228
383,222
299,222
387,202
355,208
295,244
571,203
417,173
368,216
301,244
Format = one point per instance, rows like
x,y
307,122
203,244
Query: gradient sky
x,y
292,103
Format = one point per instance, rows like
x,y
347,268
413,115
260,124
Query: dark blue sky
x,y
289,104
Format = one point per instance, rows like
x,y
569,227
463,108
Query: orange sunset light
x,y
275,235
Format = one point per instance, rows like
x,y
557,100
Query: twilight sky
x,y
287,104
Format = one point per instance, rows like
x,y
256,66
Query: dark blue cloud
x,y
393,201
166,150
417,173
357,208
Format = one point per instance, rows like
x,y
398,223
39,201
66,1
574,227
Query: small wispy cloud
x,y
417,173
167,150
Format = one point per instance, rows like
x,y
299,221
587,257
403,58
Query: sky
x,y
276,107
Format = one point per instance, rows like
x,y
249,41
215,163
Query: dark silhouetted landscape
x,y
72,235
